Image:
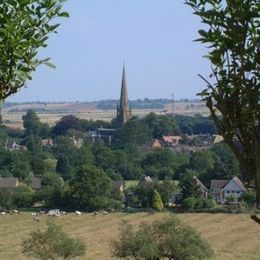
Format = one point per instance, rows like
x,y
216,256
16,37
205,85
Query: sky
x,y
154,38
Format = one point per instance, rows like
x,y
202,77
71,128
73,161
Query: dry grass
x,y
231,236
54,111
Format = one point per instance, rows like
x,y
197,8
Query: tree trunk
x,y
258,188
257,173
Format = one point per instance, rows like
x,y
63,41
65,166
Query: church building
x,y
123,109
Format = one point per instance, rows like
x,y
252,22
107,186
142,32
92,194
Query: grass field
x,y
231,236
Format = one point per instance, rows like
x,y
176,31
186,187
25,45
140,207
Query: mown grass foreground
x,y
231,236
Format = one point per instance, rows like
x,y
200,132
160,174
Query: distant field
x,y
52,112
231,236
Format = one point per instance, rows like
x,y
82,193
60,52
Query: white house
x,y
222,189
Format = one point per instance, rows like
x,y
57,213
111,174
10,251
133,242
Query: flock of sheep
x,y
11,212
59,213
53,213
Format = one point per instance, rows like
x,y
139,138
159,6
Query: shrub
x,y
189,203
208,203
165,239
52,243
197,203
23,196
157,201
230,199
248,199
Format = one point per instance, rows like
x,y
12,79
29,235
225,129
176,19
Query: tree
x,y
189,184
161,125
157,201
52,243
63,145
33,125
52,190
18,164
90,189
64,167
141,195
38,165
139,245
195,124
105,157
161,163
202,161
134,131
232,35
7,198
19,45
84,156
33,144
66,123
23,196
226,164
164,239
166,188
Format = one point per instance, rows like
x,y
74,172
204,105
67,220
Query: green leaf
x,y
49,64
64,14
203,33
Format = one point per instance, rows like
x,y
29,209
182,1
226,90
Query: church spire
x,y
123,111
124,92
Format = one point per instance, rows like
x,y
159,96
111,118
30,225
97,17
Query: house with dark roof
x,y
203,190
9,183
222,189
35,183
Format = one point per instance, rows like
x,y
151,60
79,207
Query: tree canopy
x,y
52,243
232,35
164,239
90,189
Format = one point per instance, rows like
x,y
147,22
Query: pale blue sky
x,y
154,37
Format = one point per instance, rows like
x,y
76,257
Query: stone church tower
x,y
123,109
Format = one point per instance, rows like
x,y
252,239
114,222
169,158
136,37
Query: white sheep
x,y
36,219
